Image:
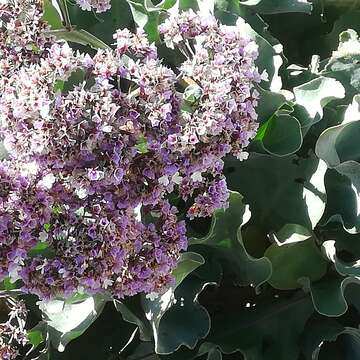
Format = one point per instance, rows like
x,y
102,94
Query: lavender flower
x,y
85,163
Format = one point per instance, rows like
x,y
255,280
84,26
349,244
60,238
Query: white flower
x,y
196,176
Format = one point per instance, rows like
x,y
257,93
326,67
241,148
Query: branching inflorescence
x,y
12,331
86,161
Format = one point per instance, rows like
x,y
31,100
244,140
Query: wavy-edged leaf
x,y
292,262
314,95
187,263
51,15
293,192
270,329
278,6
67,321
225,239
344,65
328,295
280,135
81,37
321,330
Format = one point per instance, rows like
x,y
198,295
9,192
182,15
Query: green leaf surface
x,y
291,262
322,330
81,37
225,239
278,6
344,65
67,321
269,330
51,15
328,295
280,135
316,94
187,263
293,192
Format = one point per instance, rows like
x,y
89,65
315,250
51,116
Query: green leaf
x,y
67,321
178,313
42,249
269,103
51,15
278,6
291,233
344,64
103,25
225,239
35,337
316,94
328,295
79,37
270,329
322,330
214,354
132,312
340,191
187,263
293,192
291,262
280,135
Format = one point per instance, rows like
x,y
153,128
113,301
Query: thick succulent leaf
x,y
280,135
291,233
225,239
344,65
292,262
338,144
278,6
214,354
132,312
178,313
321,330
67,321
328,295
269,103
342,267
51,15
340,191
269,330
81,37
103,25
293,192
187,263
314,95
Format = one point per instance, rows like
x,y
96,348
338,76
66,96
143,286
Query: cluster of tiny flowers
x,y
98,5
23,38
12,332
84,195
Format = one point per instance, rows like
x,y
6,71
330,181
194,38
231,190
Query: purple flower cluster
x,y
12,331
84,194
98,5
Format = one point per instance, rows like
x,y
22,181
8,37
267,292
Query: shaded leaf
x,y
291,262
280,135
225,239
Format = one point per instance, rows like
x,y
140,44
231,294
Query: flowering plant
x,y
124,125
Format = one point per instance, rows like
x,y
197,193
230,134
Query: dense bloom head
x,y
98,5
84,199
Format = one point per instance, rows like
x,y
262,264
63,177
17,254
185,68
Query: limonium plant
x,y
179,179
87,164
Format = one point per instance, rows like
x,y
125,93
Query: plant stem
x,y
65,13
